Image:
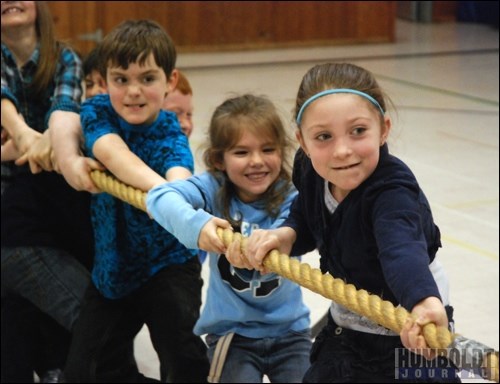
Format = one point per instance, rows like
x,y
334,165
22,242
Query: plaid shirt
x,y
63,93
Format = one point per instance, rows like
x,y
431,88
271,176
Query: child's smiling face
x,y
253,164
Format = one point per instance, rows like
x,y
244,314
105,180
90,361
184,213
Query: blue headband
x,y
338,90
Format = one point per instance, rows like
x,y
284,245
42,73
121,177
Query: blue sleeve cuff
x,y
176,215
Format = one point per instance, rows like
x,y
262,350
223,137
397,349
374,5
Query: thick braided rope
x,y
108,183
360,301
380,311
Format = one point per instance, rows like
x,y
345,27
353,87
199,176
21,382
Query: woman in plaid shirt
x,y
47,244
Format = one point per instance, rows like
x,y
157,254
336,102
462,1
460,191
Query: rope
x,y
107,183
380,311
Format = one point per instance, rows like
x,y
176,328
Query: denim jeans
x,y
50,278
282,359
168,303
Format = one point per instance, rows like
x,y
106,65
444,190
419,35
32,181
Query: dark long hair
x,y
50,49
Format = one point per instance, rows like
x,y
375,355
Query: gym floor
x,y
443,81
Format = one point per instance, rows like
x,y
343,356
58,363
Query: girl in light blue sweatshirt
x,y
247,186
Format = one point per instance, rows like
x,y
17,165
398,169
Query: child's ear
x,y
172,80
300,139
220,166
217,159
386,129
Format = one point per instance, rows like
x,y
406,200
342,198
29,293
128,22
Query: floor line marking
x,y
470,247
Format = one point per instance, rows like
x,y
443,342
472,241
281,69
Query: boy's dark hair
x,y
91,62
133,41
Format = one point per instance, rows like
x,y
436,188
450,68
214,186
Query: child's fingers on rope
x,y
78,173
209,240
235,256
413,339
428,310
259,244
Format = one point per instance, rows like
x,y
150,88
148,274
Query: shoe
x,y
52,376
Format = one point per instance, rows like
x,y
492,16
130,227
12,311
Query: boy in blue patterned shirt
x,y
142,274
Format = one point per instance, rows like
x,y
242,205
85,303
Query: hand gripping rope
x,y
382,312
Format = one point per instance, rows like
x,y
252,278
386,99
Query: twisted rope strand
x,y
380,311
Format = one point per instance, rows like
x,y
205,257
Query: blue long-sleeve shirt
x,y
380,238
238,300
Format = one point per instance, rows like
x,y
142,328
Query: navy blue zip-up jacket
x,y
381,237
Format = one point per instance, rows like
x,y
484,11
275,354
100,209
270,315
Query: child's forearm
x,y
125,165
133,171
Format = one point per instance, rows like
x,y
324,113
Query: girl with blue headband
x,y
364,211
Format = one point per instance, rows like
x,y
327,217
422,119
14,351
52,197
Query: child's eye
x,y
269,150
120,80
358,131
323,137
149,79
240,153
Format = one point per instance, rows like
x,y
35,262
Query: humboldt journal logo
x,y
452,362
